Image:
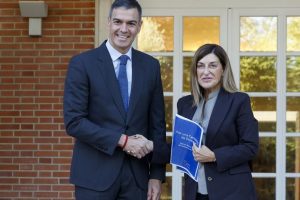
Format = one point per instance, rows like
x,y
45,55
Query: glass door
x,y
264,49
173,39
267,54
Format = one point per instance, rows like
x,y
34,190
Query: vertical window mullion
x,y
281,110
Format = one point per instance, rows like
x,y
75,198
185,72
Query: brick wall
x,y
35,152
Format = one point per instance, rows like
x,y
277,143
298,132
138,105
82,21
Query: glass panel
x,y
182,187
169,166
167,189
200,30
293,154
187,63
293,74
293,33
292,188
157,34
293,114
266,159
262,69
169,112
264,110
166,63
265,188
258,34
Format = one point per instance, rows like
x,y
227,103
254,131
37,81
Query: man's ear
x,y
140,25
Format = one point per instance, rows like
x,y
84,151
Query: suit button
x,y
209,178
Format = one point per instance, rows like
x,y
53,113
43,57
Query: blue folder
x,y
185,133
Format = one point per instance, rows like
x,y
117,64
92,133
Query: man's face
x,y
123,26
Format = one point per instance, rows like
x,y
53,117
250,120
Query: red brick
x,y
9,140
25,160
26,181
9,153
5,187
25,147
46,194
25,174
8,194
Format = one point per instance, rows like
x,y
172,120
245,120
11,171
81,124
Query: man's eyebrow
x,y
130,21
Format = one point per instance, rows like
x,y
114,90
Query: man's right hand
x,y
138,146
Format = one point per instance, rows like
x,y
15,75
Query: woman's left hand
x,y
203,154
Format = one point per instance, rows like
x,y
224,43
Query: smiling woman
x,y
230,131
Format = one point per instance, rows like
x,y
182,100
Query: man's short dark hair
x,y
128,4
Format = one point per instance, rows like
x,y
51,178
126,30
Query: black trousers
x,y
202,196
124,188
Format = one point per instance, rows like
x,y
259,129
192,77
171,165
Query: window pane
x,y
169,166
264,109
293,114
200,30
169,113
258,73
258,34
293,188
167,189
187,63
266,159
157,34
293,74
293,33
166,63
265,188
293,154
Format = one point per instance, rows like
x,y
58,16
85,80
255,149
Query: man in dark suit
x,y
117,133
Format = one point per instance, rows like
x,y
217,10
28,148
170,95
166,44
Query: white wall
x,y
219,3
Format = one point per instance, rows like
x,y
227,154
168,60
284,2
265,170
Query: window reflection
x,y
166,69
167,189
264,110
293,154
258,73
293,114
293,32
258,33
169,166
293,73
187,64
156,35
265,161
265,188
200,30
169,112
293,188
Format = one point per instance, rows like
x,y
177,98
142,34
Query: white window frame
x,y
178,55
280,175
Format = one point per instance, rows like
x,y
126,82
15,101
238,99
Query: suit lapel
x,y
137,82
109,77
191,112
218,114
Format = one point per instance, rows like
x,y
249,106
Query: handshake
x,y
136,145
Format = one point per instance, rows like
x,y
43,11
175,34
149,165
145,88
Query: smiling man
x,y
114,108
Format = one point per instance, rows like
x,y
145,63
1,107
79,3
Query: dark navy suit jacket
x,y
95,116
232,134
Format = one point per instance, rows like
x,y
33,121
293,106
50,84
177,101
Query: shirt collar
x,y
114,54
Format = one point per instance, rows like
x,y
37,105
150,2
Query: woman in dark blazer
x,y
230,139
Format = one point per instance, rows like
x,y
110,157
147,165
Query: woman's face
x,y
209,73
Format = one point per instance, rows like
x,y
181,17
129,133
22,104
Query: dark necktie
x,y
123,82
